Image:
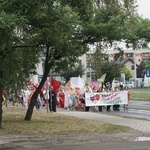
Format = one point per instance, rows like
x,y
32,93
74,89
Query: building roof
x,y
125,60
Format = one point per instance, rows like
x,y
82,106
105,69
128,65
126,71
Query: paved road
x,y
139,109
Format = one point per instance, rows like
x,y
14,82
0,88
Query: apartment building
x,y
129,57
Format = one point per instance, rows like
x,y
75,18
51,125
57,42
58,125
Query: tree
x,y
136,32
145,65
17,73
97,58
10,37
112,69
72,72
64,47
109,22
127,73
50,25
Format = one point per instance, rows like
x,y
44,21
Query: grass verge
x,y
140,94
51,123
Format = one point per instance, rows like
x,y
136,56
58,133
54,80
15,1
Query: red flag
x,y
56,84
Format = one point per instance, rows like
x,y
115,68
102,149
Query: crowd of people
x,y
74,99
70,99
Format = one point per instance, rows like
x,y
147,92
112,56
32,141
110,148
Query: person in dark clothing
x,y
121,86
87,108
108,89
117,107
108,108
52,100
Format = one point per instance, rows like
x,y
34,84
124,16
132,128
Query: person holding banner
x,y
116,107
100,108
87,108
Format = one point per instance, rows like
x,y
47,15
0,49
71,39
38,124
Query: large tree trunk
x,y
35,94
1,99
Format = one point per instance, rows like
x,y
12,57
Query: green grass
x,y
140,94
51,123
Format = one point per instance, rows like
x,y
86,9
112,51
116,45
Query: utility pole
x,y
135,74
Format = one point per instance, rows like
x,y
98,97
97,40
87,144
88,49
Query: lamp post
x,y
135,74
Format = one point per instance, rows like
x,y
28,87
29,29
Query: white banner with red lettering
x,y
110,98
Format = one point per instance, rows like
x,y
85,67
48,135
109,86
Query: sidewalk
x,y
137,124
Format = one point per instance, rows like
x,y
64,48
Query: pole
x,y
47,93
51,98
50,93
135,75
148,82
148,74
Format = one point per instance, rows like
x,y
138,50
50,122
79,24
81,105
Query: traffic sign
x,y
148,73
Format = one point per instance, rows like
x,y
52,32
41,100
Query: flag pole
x,y
47,90
51,95
50,92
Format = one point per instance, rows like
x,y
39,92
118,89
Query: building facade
x,y
128,59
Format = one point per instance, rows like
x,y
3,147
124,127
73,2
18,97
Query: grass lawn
x,y
51,123
141,93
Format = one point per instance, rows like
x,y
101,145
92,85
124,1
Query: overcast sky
x,y
144,8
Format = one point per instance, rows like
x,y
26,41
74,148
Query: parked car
x,y
129,84
116,83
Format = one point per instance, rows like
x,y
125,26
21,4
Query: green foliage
x,y
72,72
97,58
52,25
136,32
118,55
112,69
19,65
127,73
109,21
48,24
146,66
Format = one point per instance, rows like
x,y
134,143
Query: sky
x,y
144,8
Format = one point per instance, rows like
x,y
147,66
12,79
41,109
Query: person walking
x,y
128,92
73,98
61,97
26,96
52,100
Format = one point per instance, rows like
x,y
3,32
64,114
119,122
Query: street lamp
x,y
135,75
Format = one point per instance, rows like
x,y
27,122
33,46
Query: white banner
x,y
77,82
111,98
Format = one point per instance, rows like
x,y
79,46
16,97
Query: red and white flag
x,y
56,84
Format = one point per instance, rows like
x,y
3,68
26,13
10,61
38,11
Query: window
x,y
146,55
132,67
129,55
